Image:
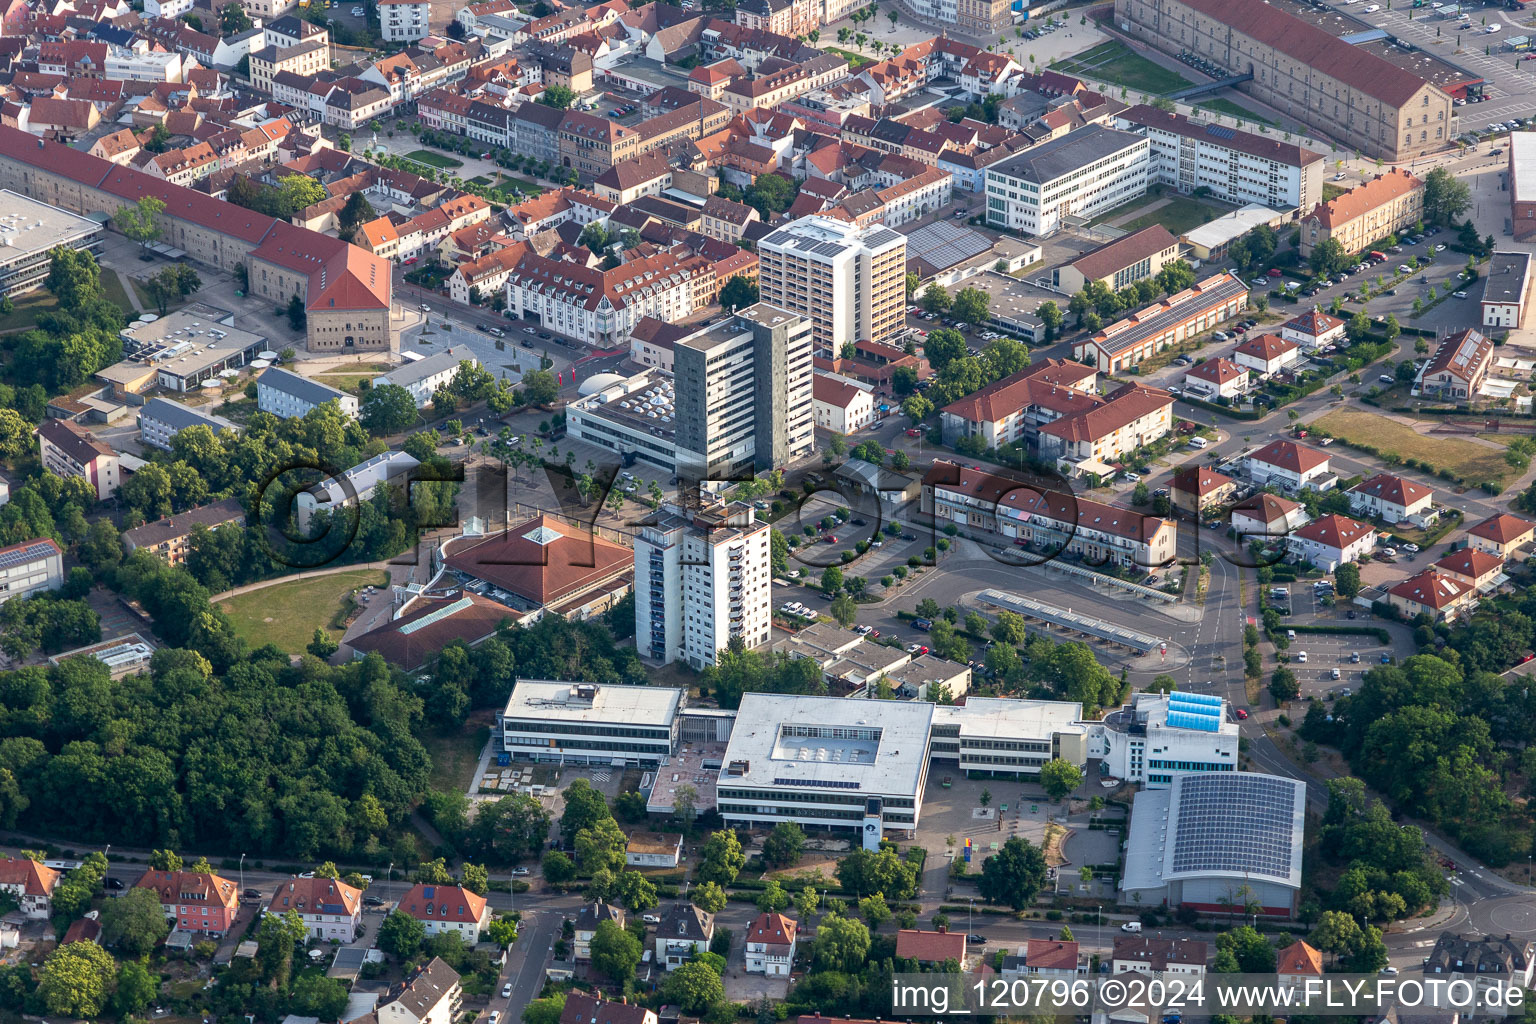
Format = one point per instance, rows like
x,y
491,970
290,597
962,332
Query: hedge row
x,y
1381,635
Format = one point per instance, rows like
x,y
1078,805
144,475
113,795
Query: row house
x,y
74,58
1436,595
303,59
915,197
600,307
199,902
551,209
443,110
486,274
394,237
1502,535
1017,406
993,507
184,166
352,103
489,124
1130,418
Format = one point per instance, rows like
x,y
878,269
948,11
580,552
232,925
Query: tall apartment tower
x,y
744,395
702,577
850,282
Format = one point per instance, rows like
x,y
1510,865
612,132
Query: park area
x,y
1470,461
287,614
433,158
1115,63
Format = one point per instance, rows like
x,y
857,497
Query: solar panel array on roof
x,y
25,553
1220,131
1196,698
1189,720
1238,823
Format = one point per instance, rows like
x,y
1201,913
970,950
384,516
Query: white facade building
x,y
600,307
843,405
1007,737
330,909
1237,166
770,945
161,419
630,416
358,484
423,375
584,723
1159,737
447,908
289,396
1329,541
1079,174
1291,466
702,578
848,281
826,763
402,21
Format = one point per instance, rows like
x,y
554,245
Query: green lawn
x,y
27,306
434,159
1179,215
1474,463
479,179
286,614
1115,63
1332,191
855,60
1224,106
455,753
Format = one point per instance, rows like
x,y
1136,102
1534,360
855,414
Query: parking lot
x,y
1327,653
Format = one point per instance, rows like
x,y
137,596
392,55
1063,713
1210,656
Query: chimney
x,y
943,928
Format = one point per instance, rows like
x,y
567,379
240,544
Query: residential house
x,y
433,995
289,396
423,377
31,884
587,919
1390,498
199,902
161,419
1196,489
842,405
1503,535
1216,378
1506,287
448,908
1477,569
171,537
1297,964
1482,961
331,909
1329,541
770,946
1313,329
1459,367
683,933
581,1008
654,850
69,450
1291,466
930,947
1158,956
1429,592
1266,354
1265,515
1131,417
1044,958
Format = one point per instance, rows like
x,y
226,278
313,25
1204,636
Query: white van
x,y
1131,926
1290,634
1198,442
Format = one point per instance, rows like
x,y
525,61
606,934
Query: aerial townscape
x,y
701,511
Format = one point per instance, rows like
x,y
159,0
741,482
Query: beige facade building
x,y
1352,93
1387,204
850,282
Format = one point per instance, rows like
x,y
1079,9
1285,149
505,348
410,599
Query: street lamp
x,y
242,876
389,880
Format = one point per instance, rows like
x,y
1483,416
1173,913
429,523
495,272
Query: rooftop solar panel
x,y
1235,822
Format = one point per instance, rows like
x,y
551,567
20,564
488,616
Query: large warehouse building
x,y
1215,840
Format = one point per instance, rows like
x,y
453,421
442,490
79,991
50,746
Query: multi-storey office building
x,y
584,723
745,398
1158,736
848,281
1077,175
702,578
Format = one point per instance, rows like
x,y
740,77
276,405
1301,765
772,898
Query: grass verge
x,y
1114,62
455,753
434,159
1178,215
1242,113
287,614
1472,463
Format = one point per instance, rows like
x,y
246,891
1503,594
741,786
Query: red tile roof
x,y
443,903
542,560
1360,200
316,896
1266,508
1503,528
1335,531
1469,562
1431,589
1290,456
1267,347
1314,322
581,1008
1199,481
35,879
838,393
409,642
1126,251
1052,382
1299,958
1218,371
1050,955
1394,489
929,947
772,930
1122,408
191,888
1005,492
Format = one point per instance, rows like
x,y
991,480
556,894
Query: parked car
x,y
1242,715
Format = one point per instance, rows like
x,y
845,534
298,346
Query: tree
x,y
139,223
943,347
615,952
1329,257
739,292
842,944
557,868
844,610
584,807
600,845
971,305
913,282
76,978
770,194
74,278
708,897
772,899
295,313
165,860
1346,580
321,645
475,878
233,20
831,580
558,96
540,387
1446,197
508,829
694,987
134,922
1051,316
934,299
634,890
806,902
1060,778
545,1011
1175,276
315,995
136,989
1358,327
299,191
784,844
1283,685
401,934
1251,952
1013,875
863,873
722,859
917,408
